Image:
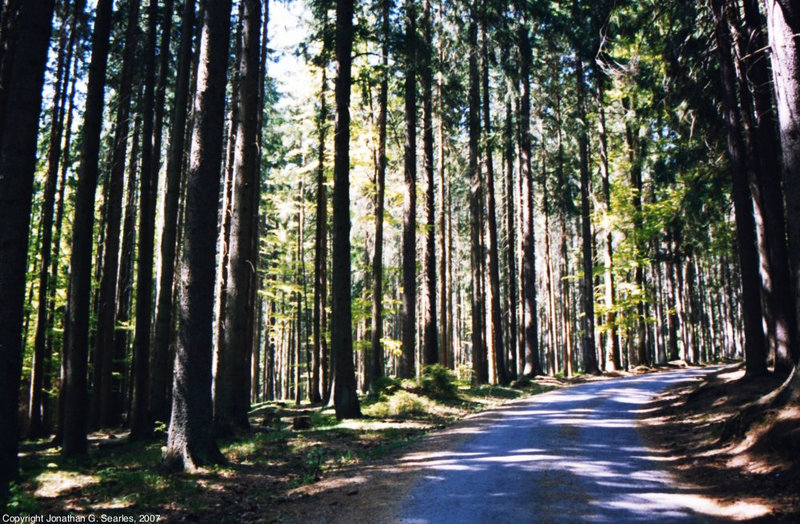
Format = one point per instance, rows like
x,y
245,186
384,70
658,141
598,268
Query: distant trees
x,y
627,221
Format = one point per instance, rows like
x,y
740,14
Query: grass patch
x,y
401,404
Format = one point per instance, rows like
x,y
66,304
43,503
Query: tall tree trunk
x,y
562,191
755,351
409,249
783,23
495,328
511,256
444,290
480,373
141,419
587,295
345,396
56,258
121,375
9,29
634,147
232,384
227,196
430,337
612,360
159,357
36,425
20,124
175,164
74,415
320,244
191,441
770,181
104,350
530,333
376,346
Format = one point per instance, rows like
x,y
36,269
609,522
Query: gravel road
x,y
572,455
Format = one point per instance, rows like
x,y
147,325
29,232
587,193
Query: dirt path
x,y
573,454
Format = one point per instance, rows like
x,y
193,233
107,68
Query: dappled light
x,y
399,261
595,457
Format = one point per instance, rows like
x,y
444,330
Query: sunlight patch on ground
x,y
333,483
418,457
740,510
55,483
115,503
375,425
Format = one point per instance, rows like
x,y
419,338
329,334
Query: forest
x,y
210,208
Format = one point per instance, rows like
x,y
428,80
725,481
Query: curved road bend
x,y
572,455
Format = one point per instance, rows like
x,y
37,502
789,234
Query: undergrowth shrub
x,y
387,385
437,381
399,404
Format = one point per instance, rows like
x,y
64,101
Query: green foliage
x,y
401,403
496,392
19,502
387,385
322,419
438,382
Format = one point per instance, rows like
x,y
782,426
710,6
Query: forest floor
x,y
351,470
749,467
271,469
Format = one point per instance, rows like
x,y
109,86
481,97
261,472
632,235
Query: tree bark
x,y
345,396
613,360
376,346
232,385
141,419
104,350
320,244
479,368
770,181
783,24
159,357
430,336
755,351
47,404
588,341
495,328
409,248
121,375
445,302
191,441
20,124
164,318
529,329
74,415
36,425
511,256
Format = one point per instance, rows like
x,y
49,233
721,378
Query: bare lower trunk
x,y
19,125
430,342
755,351
191,442
345,396
409,304
587,294
783,24
74,421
